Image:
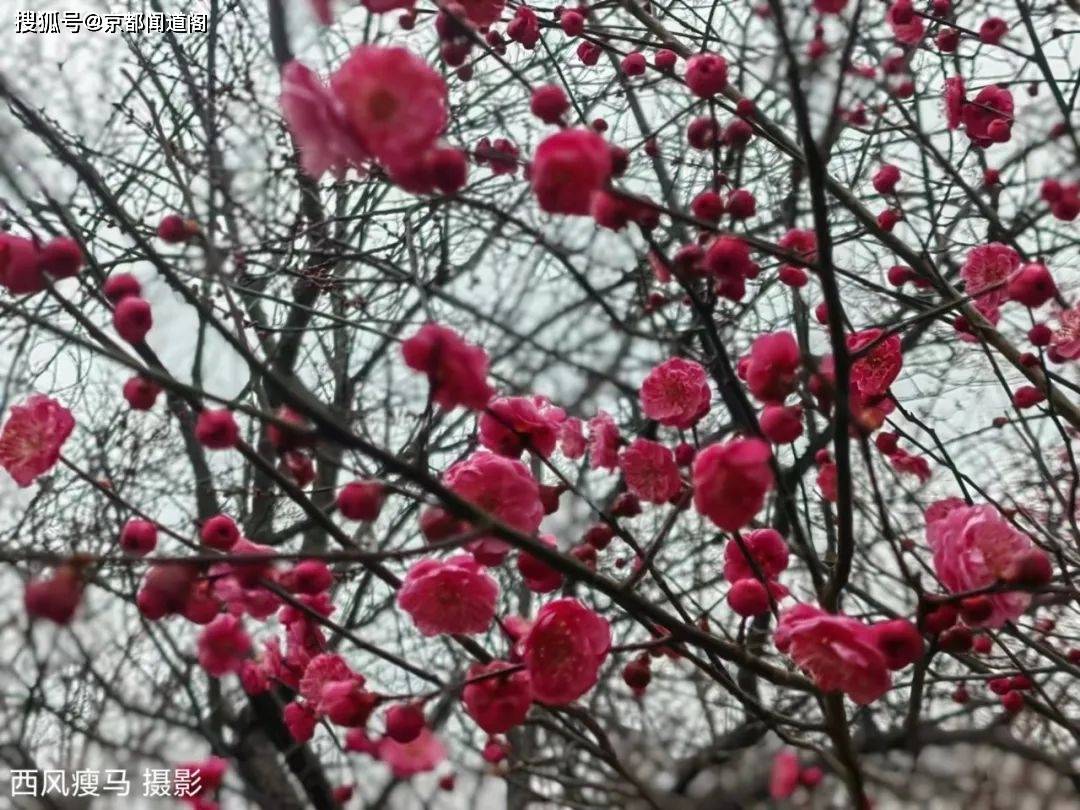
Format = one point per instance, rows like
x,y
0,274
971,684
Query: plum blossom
x,y
604,442
223,645
497,702
800,241
905,462
973,548
449,596
706,74
955,98
456,370
572,441
772,366
568,168
26,265
728,260
676,393
325,140
32,437
55,597
502,487
421,755
784,775
539,577
650,471
988,118
767,549
838,652
382,103
1065,342
730,481
395,102
513,424
874,372
483,12
906,25
989,266
563,651
320,670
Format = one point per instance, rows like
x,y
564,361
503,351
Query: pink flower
x,y
604,442
223,645
563,651
766,547
502,487
873,373
988,118
456,370
784,776
55,598
706,74
906,25
394,101
772,366
899,641
955,99
524,27
513,424
539,577
568,168
449,596
800,241
216,429
650,471
20,261
483,12
985,267
347,702
782,424
730,481
497,702
839,653
1066,339
728,258
973,548
676,393
572,438
322,669
26,265
886,178
300,720
421,755
905,462
826,481
32,437
1032,285
324,138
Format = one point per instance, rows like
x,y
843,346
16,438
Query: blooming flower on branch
x,y
650,471
451,596
974,547
32,437
502,487
513,424
839,653
731,480
456,370
676,393
563,651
